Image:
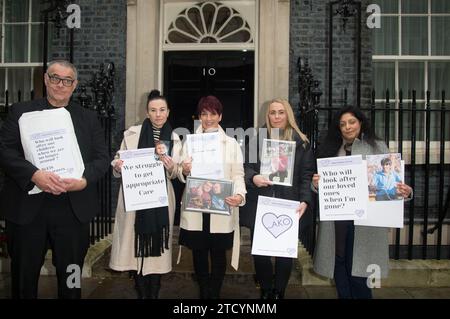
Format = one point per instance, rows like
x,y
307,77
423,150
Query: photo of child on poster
x,y
384,171
203,195
277,161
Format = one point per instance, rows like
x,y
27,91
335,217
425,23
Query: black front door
x,y
189,75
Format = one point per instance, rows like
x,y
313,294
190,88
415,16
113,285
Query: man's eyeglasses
x,y
55,80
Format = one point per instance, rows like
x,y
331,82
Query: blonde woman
x,y
281,124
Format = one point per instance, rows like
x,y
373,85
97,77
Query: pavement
x,y
179,284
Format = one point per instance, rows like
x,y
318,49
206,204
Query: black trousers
x,y
270,276
273,278
55,226
347,286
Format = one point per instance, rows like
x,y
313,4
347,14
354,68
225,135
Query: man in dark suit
x,y
59,216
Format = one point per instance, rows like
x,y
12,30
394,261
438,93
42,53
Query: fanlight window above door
x,y
209,22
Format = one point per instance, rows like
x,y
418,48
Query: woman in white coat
x,y
142,240
211,235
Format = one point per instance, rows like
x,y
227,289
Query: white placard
x,y
276,228
385,213
343,191
206,153
51,152
143,180
49,143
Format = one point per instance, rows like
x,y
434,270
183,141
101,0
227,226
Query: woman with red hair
x,y
211,235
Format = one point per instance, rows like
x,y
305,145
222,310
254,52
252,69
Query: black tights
x,y
213,279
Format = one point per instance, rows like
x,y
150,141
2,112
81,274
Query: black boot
x,y
276,294
140,283
266,294
153,286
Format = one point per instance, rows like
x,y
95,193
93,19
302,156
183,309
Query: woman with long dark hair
x,y
344,251
142,240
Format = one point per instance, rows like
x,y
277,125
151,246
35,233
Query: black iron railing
x,y
420,131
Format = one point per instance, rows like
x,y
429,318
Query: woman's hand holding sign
x,y
118,166
315,181
301,209
187,166
164,158
235,200
404,190
261,181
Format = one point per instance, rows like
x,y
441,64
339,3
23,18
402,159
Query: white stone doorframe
x,y
143,71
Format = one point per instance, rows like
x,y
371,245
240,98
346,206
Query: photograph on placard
x,y
207,195
384,171
277,161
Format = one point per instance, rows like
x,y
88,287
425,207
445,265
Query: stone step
x,y
185,267
402,273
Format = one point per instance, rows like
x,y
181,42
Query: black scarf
x,y
151,226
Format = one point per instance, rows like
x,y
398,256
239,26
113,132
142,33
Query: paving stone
x,y
429,293
391,293
316,292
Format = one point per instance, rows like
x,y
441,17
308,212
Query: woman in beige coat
x,y
142,240
211,235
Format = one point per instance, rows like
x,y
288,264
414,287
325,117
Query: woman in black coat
x,y
279,116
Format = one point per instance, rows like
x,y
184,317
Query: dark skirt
x,y
204,239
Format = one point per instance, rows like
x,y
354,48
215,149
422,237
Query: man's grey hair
x,y
66,64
